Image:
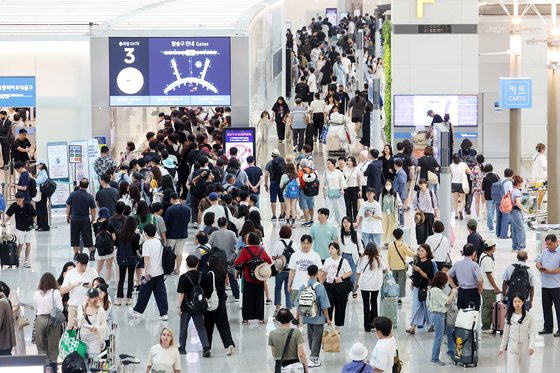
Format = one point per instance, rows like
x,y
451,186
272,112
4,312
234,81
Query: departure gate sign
x,y
516,93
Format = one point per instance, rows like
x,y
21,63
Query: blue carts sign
x,y
516,93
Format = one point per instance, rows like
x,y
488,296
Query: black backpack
x,y
481,246
254,263
32,187
216,252
48,188
104,243
168,258
198,190
311,189
125,255
288,251
277,169
519,282
198,303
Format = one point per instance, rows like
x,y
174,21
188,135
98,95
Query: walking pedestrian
x,y
293,353
333,189
490,285
437,303
370,269
440,245
518,242
391,205
226,240
283,250
425,203
281,111
396,254
335,270
422,275
370,214
549,266
177,231
42,211
25,221
323,233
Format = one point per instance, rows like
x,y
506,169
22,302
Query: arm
x,y
67,289
491,279
6,220
451,283
290,279
301,354
518,204
504,290
180,299
92,216
326,313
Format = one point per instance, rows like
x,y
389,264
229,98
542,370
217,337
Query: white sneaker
x,y
195,225
313,363
478,218
163,318
26,264
134,313
487,331
229,350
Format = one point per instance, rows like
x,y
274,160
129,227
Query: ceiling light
x,y
554,57
516,21
555,31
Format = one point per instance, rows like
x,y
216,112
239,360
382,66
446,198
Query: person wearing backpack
x,y
289,183
424,202
549,266
518,241
487,183
319,304
519,278
499,190
251,257
190,305
274,170
283,247
25,216
152,251
104,242
475,238
309,188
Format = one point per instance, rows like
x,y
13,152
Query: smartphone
x,y
85,284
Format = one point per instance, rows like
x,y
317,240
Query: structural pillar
x,y
515,114
553,104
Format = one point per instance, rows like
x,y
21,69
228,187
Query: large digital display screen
x,y
17,92
243,139
276,63
179,71
411,110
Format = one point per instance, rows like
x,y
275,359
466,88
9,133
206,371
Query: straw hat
x,y
263,272
280,263
419,217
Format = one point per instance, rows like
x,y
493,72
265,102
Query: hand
x,y
78,284
342,192
3,224
254,189
480,289
498,291
530,304
93,329
454,292
329,323
531,351
411,286
501,352
338,280
266,188
416,268
179,312
68,219
290,289
356,287
74,322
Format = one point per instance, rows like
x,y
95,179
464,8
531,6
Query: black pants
x,y
424,230
7,352
550,297
194,208
253,301
318,122
298,139
122,273
156,285
219,318
440,265
338,305
281,130
5,152
369,299
466,296
182,176
42,213
351,199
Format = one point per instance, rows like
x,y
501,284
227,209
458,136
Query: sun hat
x,y
280,263
419,217
168,163
275,153
263,272
358,352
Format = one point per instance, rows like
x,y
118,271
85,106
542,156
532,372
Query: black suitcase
x,y
309,133
466,351
9,254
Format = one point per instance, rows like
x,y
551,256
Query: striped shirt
x,y
298,115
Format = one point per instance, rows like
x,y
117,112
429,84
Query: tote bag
x,y
69,343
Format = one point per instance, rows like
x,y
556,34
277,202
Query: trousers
x,y
281,130
400,277
369,299
490,209
438,321
518,357
130,287
282,281
315,339
253,300
318,123
351,200
200,329
299,134
338,305
47,338
488,297
517,230
42,213
234,285
218,318
156,285
337,208
502,222
420,313
550,296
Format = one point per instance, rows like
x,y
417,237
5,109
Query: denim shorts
x,y
275,191
305,202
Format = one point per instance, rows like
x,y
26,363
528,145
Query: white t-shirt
x,y
317,106
440,252
369,224
164,360
279,247
540,166
458,170
312,83
299,262
331,268
383,355
78,294
487,266
370,279
153,249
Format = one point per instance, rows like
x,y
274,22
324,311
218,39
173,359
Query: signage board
x,y
17,91
242,138
516,93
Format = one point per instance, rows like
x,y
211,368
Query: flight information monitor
x,y
169,71
411,110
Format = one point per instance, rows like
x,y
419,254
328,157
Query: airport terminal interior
x,y
101,72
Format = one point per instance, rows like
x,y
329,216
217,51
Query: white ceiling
x,y
73,17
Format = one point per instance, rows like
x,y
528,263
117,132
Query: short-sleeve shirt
x,y
383,355
21,156
24,181
369,224
298,115
322,236
81,203
487,266
254,175
467,272
153,249
164,360
299,261
515,193
510,268
108,197
331,269
24,215
278,338
550,260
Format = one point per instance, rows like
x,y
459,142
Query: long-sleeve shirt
x,y
399,183
519,333
437,300
425,201
41,178
395,261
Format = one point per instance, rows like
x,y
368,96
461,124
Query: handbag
x,y
22,322
331,341
422,294
69,343
56,317
292,368
332,193
345,286
432,178
213,301
465,182
38,196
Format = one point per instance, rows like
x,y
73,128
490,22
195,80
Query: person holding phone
x,y
91,322
549,265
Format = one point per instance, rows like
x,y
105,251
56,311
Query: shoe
x,y
268,302
478,218
451,356
195,225
279,141
206,353
295,149
163,318
411,331
282,217
557,334
487,331
182,352
117,302
128,302
229,350
368,330
134,313
467,210
313,363
460,215
431,330
293,225
75,256
26,264
311,223
275,312
274,218
305,225
236,300
399,301
438,363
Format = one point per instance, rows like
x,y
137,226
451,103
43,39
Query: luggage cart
x,y
530,200
543,230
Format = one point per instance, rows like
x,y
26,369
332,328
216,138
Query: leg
x,y
488,297
234,285
347,200
120,285
100,263
199,324
556,300
332,300
273,207
109,267
160,294
490,215
183,330
248,301
456,203
222,324
278,289
266,290
144,296
438,321
315,336
20,246
373,308
28,250
259,301
340,312
209,322
41,326
130,288
450,341
366,304
400,277
286,292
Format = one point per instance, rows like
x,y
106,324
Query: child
x,y
263,124
253,200
519,336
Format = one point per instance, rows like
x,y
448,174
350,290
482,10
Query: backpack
x,y
104,243
519,282
480,248
292,189
308,306
125,255
144,195
48,188
311,189
168,258
198,303
277,169
32,187
431,196
254,263
288,251
506,205
230,225
498,190
469,159
216,252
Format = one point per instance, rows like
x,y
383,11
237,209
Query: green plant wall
x,y
387,102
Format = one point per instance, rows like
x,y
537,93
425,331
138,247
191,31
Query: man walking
x,y
226,240
490,286
399,185
374,173
323,234
549,266
298,121
26,218
524,280
396,257
275,169
104,163
475,238
79,205
176,220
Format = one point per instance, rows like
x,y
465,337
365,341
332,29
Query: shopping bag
x,y
331,341
69,343
324,135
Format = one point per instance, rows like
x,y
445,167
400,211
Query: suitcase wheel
x,y
455,363
501,332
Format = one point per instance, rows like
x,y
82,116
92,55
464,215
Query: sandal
x,y
176,273
262,322
407,209
411,331
354,295
245,322
431,329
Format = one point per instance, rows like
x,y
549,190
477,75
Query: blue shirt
x,y
176,220
356,367
322,303
24,181
298,115
467,272
399,184
550,260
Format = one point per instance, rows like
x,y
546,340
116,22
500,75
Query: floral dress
x,y
476,176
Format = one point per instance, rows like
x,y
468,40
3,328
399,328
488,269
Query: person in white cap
x,y
358,354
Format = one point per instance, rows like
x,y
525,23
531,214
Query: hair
x,y
353,159
215,265
156,206
143,210
134,193
373,254
128,230
324,211
479,159
156,175
428,250
551,237
192,261
540,147
104,288
150,230
375,153
19,194
516,180
466,146
448,265
398,162
202,238
284,316
438,226
469,249
172,341
285,232
255,217
456,158
106,178
253,239
384,325
336,246
439,280
353,233
64,270
306,237
82,258
123,188
398,233
511,309
385,191
428,150
46,283
18,165
210,218
291,170
312,270
508,172
488,168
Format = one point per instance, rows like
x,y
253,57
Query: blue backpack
x,y
292,189
498,190
125,255
389,288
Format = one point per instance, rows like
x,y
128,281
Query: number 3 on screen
x,y
129,56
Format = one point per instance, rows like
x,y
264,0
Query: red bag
x,y
506,205
348,137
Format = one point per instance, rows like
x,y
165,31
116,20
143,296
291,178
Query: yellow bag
x,y
359,204
331,341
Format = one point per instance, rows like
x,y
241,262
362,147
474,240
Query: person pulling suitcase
x,y
489,287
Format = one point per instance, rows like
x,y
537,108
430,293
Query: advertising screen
x,y
242,138
411,110
331,16
178,71
17,92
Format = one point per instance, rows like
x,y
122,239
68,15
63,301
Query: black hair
x,y
324,211
400,146
150,230
469,249
82,258
192,261
64,269
306,237
312,270
155,207
447,265
222,222
383,324
106,178
18,165
104,149
202,238
353,233
398,162
488,168
511,309
397,233
19,194
508,172
215,265
551,237
209,218
374,153
284,316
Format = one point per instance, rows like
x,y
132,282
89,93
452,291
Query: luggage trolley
x,y
532,199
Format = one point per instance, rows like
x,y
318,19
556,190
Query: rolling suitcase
x,y
466,350
8,254
406,234
499,310
389,308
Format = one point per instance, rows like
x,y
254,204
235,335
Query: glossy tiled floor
x,y
135,337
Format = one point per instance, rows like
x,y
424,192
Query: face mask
x,y
388,187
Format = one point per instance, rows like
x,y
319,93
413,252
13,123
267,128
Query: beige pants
x,y
389,224
72,314
47,338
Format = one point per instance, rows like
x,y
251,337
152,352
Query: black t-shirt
x,y
437,119
428,268
108,197
387,166
21,156
193,155
81,202
103,226
426,163
254,175
487,182
407,163
24,215
182,137
185,287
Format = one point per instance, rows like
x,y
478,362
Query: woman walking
x,y
421,277
102,228
164,357
391,204
46,297
281,111
370,269
40,180
290,185
335,270
333,189
459,171
17,312
350,247
363,163
353,177
477,175
440,244
216,281
127,237
91,323
387,158
517,227
286,247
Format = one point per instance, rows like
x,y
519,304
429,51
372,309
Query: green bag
x,y
69,343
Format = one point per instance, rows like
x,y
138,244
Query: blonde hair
x,y
172,342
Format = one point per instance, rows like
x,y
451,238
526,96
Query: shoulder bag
x,y
292,368
332,193
400,256
56,317
345,286
213,301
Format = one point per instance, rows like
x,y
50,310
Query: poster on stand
x,y
57,160
242,138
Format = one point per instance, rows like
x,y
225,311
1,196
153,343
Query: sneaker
x,y
182,351
478,218
117,302
313,363
268,302
236,300
274,218
295,149
337,329
487,331
275,312
399,301
26,264
306,224
311,223
206,353
75,256
282,217
195,225
134,313
229,350
293,225
438,363
163,318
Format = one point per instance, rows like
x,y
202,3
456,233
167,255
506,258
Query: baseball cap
x,y
429,112
489,243
92,293
213,196
472,223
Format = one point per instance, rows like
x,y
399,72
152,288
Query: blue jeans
x,y
517,230
502,221
282,279
348,257
490,215
371,237
438,321
450,340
